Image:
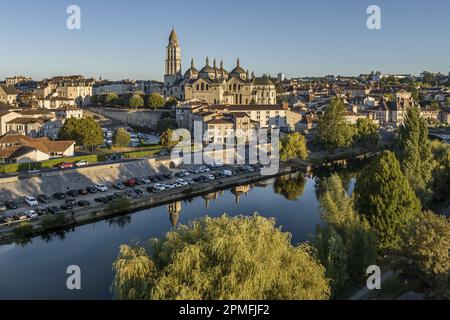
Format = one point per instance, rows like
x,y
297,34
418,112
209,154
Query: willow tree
x,y
220,258
385,198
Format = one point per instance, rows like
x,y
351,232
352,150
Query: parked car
x,y
41,211
82,192
66,165
159,187
66,207
99,199
182,182
31,214
54,209
81,163
210,177
43,198
84,203
144,180
59,195
101,187
130,182
138,192
2,206
118,185
31,201
227,173
71,201
11,204
91,190
72,193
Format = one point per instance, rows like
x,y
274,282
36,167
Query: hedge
x,y
16,167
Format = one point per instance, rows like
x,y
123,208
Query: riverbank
x,y
101,212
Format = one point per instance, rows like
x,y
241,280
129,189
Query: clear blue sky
x,y
127,39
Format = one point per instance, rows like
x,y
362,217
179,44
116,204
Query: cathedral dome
x,y
238,71
192,71
207,70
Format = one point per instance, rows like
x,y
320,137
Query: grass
x,y
142,152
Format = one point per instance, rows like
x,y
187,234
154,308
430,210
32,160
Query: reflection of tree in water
x,y
60,234
120,221
290,186
346,173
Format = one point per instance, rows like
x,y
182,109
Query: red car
x,y
130,182
66,165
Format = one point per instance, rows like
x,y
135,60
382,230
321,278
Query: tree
x,y
333,129
109,98
441,172
166,123
293,146
166,138
423,258
384,197
171,102
346,245
367,132
290,188
414,153
135,101
155,100
220,258
85,131
121,138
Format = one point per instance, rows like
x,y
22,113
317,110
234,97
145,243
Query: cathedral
x,y
213,84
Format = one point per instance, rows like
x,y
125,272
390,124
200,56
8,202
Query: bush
x,y
24,229
52,222
121,205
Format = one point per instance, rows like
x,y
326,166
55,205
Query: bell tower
x,y
173,55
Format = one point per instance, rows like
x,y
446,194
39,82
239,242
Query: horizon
x,y
297,38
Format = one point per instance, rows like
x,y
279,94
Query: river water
x,y
37,269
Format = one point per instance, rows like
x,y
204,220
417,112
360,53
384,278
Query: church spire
x,y
214,64
207,61
192,63
238,62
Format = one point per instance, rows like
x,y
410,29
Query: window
x,y
203,86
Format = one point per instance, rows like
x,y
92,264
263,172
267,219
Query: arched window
x,y
198,88
234,87
203,86
207,87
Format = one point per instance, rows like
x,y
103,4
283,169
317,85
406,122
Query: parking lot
x,y
32,207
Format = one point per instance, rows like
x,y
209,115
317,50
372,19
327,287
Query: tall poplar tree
x,y
384,196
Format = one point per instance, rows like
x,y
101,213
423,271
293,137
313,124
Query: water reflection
x,y
290,186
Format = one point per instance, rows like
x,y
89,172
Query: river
x,y
37,269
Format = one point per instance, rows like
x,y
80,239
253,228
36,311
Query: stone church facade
x,y
213,84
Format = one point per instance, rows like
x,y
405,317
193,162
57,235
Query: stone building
x,y
212,83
